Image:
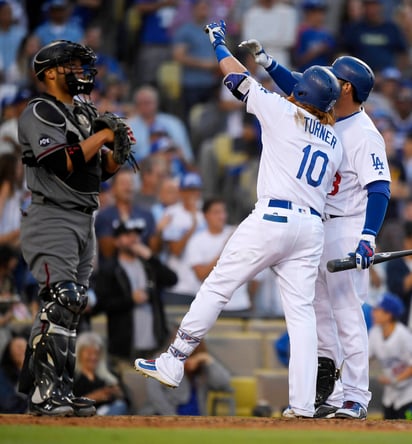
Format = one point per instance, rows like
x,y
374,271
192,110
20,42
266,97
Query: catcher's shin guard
x,y
82,406
328,374
51,334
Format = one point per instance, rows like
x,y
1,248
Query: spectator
x,y
234,161
407,159
94,380
11,177
399,276
11,363
123,189
390,342
391,234
202,374
12,306
168,195
129,292
200,75
146,118
9,142
11,36
186,220
402,115
274,23
153,170
203,251
59,24
315,44
154,39
108,67
21,71
376,40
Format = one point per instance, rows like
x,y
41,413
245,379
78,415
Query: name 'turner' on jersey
x,y
315,128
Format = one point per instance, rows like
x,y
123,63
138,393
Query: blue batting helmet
x,y
317,86
357,73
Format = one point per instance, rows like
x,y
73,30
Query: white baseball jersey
x,y
300,172
394,355
364,161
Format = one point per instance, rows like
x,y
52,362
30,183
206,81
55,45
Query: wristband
x,y
222,52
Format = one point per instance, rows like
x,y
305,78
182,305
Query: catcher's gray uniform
x,y
57,232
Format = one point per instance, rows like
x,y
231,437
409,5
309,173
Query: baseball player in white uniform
x,y
300,156
354,213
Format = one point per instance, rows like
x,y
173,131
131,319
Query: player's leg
x,y
296,276
328,347
245,254
52,265
347,292
82,406
301,326
49,348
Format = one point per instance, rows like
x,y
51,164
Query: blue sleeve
x,y
378,198
282,77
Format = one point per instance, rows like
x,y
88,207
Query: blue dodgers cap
x,y
191,181
392,304
314,4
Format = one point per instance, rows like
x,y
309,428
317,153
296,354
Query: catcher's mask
x,y
64,53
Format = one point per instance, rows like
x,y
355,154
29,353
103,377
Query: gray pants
x,y
58,244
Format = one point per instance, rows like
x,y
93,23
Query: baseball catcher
x,y
123,137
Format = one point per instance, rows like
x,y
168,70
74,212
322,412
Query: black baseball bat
x,y
347,263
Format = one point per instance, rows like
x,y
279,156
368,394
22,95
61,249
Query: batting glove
x,y
256,49
217,33
365,252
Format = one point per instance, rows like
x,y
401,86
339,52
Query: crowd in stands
x,y
161,230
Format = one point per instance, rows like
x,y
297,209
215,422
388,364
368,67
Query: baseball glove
x,y
123,137
328,374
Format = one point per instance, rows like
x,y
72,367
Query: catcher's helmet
x,y
357,73
63,52
317,86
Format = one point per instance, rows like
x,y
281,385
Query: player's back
x,y
300,155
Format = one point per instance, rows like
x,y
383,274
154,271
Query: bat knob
x,y
206,29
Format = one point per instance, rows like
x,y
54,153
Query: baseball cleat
x,y
82,406
150,368
289,413
325,411
351,410
50,408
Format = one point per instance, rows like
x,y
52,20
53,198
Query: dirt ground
x,y
213,422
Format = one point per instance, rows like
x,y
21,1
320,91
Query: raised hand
x,y
256,49
217,33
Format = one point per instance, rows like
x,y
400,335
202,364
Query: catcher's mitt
x,y
328,374
123,137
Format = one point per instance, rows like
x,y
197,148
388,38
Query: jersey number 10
x,y
308,164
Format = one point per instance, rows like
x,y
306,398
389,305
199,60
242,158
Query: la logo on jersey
x,y
377,163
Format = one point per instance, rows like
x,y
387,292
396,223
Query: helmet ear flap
x,y
317,87
357,73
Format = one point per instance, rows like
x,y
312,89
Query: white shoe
x,y
289,413
166,369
